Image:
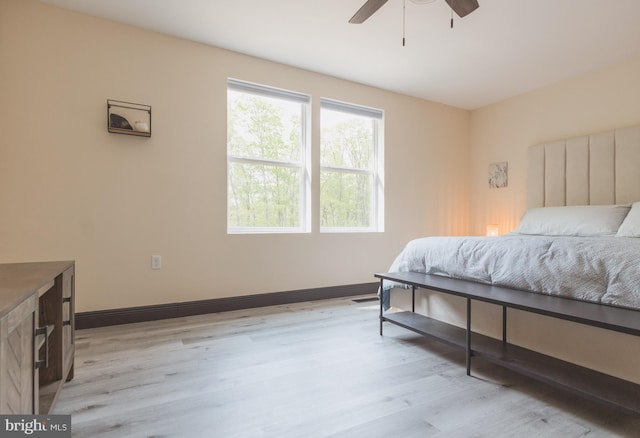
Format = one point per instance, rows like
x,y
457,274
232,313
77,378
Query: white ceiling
x,y
504,48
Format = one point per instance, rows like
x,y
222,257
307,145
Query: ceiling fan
x,y
460,7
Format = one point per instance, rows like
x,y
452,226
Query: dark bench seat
x,y
577,379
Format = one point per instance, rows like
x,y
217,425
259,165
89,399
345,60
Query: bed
x,y
594,264
575,255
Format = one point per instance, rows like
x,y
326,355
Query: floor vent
x,y
365,300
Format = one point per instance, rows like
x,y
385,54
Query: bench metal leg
x,y
468,358
381,301
504,325
413,299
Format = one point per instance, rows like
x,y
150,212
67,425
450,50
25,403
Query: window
x,y
351,168
267,159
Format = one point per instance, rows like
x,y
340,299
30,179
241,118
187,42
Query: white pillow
x,y
631,225
578,220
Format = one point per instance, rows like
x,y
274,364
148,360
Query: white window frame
x,y
304,165
377,172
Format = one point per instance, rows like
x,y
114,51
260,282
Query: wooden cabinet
x,y
36,334
17,370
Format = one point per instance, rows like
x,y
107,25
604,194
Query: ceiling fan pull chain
x,y
452,18
404,17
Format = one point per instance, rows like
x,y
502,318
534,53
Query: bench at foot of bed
x,y
577,379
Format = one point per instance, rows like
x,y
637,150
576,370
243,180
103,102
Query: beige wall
x,y
70,190
594,102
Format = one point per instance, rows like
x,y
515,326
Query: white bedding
x,y
599,269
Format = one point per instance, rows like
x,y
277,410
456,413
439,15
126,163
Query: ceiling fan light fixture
x,y
461,7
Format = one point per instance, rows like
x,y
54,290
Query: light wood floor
x,y
306,370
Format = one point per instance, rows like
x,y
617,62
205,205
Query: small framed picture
x,y
128,118
498,175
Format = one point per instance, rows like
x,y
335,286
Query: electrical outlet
x,y
156,262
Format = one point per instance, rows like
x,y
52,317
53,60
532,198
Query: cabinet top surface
x,y
19,281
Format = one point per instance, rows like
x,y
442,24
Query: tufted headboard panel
x,y
596,169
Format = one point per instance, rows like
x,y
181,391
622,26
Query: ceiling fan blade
x,y
463,7
366,11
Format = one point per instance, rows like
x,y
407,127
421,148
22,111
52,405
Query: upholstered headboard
x,y
596,169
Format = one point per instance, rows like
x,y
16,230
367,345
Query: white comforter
x,y
600,269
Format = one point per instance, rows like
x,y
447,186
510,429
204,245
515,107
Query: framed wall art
x,y
128,118
498,175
